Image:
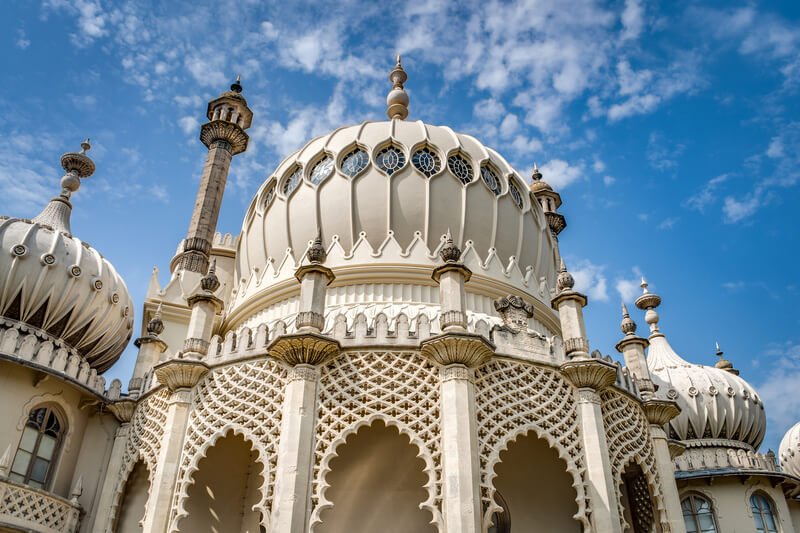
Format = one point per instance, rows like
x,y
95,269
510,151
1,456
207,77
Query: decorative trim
x,y
123,410
310,319
448,319
194,344
587,395
304,348
180,373
576,344
303,373
217,130
660,412
458,348
457,372
590,373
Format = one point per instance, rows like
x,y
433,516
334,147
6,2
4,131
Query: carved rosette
x,y
590,373
306,319
180,373
304,348
123,410
465,349
220,130
660,412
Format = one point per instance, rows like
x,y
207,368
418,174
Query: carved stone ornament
x,y
123,410
676,448
452,318
447,267
576,344
305,269
310,319
457,372
660,412
194,344
304,348
568,295
180,373
465,349
514,312
205,296
590,373
217,130
303,373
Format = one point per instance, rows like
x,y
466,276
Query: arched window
x,y
763,514
41,438
698,515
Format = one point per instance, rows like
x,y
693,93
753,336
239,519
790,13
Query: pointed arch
x,y
131,505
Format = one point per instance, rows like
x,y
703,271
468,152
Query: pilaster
x,y
102,519
659,413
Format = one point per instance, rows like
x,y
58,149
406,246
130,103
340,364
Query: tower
x,y
224,137
550,201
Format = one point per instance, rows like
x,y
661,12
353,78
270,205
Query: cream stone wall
x,y
794,513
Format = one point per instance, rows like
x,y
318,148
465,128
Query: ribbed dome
x,y
395,185
789,451
715,404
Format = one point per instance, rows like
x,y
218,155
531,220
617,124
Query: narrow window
x,y
354,162
490,179
763,514
426,161
292,182
698,515
33,462
515,194
321,170
390,160
460,168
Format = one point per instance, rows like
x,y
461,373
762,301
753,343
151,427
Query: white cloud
x,y
608,180
706,195
590,279
779,389
22,43
189,124
734,285
736,210
632,19
661,153
629,288
668,223
775,148
559,174
490,110
598,166
510,126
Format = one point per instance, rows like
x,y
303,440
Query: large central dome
x,y
385,193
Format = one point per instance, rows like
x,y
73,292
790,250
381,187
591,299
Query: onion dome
x,y
59,287
789,451
718,408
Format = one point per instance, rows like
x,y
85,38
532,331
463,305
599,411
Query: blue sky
x,y
673,134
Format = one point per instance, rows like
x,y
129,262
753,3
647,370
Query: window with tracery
x,y
426,161
269,196
515,194
763,514
460,168
354,162
698,515
291,183
390,159
490,179
38,448
322,170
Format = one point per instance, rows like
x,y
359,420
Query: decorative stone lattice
x,y
245,399
628,436
35,510
147,429
515,398
400,388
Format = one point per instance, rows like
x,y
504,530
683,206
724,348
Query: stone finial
x,y
77,489
724,364
156,325
565,280
536,175
648,302
237,85
5,461
628,326
210,282
397,99
317,254
450,253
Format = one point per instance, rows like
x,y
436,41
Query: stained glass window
x,y
490,179
426,161
292,181
460,168
354,162
390,159
698,515
37,448
322,170
270,196
515,194
763,514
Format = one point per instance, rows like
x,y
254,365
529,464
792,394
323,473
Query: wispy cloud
x,y
590,279
706,195
559,174
661,153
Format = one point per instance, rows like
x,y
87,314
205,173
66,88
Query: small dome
x,y
715,403
789,451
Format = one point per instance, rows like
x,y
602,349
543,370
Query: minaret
x,y
550,201
224,137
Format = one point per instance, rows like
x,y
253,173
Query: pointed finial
x,y
77,489
719,352
536,176
450,253
316,253
724,364
237,85
628,326
648,302
5,461
210,282
85,146
397,99
565,281
156,325
644,285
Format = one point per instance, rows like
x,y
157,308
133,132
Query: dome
x,y
718,408
789,451
59,285
384,194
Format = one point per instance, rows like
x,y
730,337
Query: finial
x,y
536,176
237,85
210,282
397,99
317,254
450,253
77,489
565,281
85,146
724,364
628,326
156,325
648,302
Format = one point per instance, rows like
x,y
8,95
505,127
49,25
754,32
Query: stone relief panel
x,y
246,399
400,388
628,436
515,398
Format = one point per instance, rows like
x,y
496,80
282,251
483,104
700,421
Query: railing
x,y
29,509
723,457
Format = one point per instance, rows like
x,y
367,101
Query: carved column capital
x,y
450,348
180,373
660,412
311,319
590,373
304,348
123,410
457,371
588,396
304,373
222,130
569,295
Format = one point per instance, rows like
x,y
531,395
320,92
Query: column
x,y
659,413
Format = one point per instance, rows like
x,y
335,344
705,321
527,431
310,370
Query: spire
x,y
724,364
317,254
210,282
397,99
628,326
565,280
237,85
536,175
450,252
77,165
156,325
648,302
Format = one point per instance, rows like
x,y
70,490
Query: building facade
x,y
392,343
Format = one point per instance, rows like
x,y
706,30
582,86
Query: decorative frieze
x,y
576,344
310,319
457,371
303,373
196,345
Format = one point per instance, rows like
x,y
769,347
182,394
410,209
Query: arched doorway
x,y
637,502
376,483
225,489
535,489
134,500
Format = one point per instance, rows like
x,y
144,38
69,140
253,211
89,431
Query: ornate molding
x,y
576,344
458,348
180,373
590,373
448,267
457,371
588,396
660,412
452,318
123,410
310,319
304,270
221,130
303,373
556,222
194,344
569,295
676,448
304,348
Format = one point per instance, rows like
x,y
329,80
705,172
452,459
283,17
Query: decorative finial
x,y
237,85
450,253
210,282
648,302
77,490
156,325
85,146
724,364
536,176
397,99
317,254
628,326
565,281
